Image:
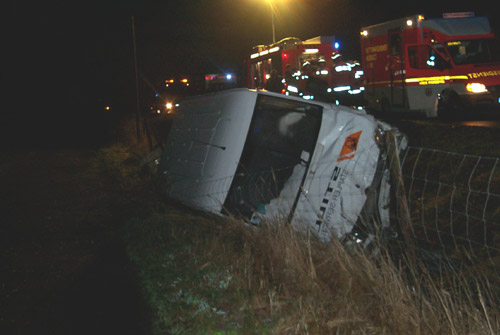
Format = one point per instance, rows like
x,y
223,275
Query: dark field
x,y
64,266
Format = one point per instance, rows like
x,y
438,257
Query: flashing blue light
x,y
499,100
229,76
157,95
336,45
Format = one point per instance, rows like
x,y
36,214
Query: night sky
x,y
62,57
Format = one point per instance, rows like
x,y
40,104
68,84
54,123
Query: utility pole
x,y
137,111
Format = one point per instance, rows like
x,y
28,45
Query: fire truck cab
x,y
311,69
443,67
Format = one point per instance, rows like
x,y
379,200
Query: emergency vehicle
x,y
311,69
220,81
436,67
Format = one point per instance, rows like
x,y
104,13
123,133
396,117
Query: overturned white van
x,y
260,155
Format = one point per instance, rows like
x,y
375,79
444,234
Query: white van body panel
x,y
324,193
204,147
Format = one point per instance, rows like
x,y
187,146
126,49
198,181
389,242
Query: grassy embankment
x,y
212,275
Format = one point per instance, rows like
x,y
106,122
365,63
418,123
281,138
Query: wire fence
x,y
454,206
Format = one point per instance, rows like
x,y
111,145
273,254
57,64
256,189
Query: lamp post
x,y
269,2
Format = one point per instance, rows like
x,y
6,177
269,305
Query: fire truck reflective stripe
x,y
341,88
435,78
421,81
264,52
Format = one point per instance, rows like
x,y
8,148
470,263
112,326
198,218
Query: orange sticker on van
x,y
350,146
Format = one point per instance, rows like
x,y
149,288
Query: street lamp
x,y
270,3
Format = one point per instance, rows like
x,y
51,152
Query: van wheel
x,y
450,107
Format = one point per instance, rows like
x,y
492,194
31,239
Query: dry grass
x,y
293,284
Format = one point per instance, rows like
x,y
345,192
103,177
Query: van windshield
x,y
277,152
474,51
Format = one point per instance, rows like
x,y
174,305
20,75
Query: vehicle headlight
x,y
169,105
476,88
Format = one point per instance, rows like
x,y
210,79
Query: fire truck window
x,y
257,74
269,68
312,61
425,57
281,135
395,44
261,70
474,51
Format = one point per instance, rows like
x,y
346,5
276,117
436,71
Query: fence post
x,y
399,191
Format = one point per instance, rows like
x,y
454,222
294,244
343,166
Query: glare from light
x,y
409,23
168,105
340,68
311,51
364,33
476,88
107,108
341,88
292,89
229,76
336,45
274,49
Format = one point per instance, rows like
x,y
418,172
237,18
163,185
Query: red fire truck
x,y
312,69
437,67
